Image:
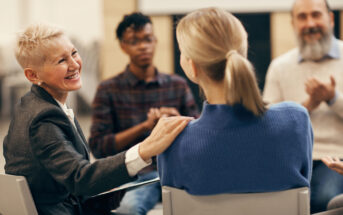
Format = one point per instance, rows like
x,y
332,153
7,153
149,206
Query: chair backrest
x,y
288,202
15,196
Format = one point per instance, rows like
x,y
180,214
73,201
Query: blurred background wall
x,y
91,25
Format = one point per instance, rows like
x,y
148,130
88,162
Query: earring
x,y
39,83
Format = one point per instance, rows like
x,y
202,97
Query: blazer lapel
x,y
82,137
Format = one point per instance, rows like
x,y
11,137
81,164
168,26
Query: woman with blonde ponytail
x,y
237,145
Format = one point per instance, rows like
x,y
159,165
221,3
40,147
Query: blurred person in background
x,y
312,76
127,106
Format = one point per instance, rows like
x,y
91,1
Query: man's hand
x,y
334,163
318,92
156,113
169,111
153,115
164,133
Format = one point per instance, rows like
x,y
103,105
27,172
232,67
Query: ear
x,y
123,46
292,22
332,19
32,76
194,69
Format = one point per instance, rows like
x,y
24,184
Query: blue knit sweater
x,y
229,150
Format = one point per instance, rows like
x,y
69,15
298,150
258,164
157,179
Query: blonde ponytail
x,y
216,41
240,83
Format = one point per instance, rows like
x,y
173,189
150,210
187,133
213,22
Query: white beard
x,y
316,50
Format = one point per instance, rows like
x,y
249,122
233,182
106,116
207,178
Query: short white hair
x,y
30,43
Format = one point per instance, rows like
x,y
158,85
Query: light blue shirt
x,y
333,53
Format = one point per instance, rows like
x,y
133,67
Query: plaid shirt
x,y
124,101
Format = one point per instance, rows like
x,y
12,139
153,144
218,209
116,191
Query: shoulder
x,y
113,80
112,83
289,108
36,104
290,57
340,44
33,110
171,77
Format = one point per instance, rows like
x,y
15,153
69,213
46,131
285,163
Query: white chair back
x,y
288,202
15,196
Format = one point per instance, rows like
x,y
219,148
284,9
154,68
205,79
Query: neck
x,y
214,92
59,96
143,73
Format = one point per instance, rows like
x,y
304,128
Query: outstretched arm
x,y
334,163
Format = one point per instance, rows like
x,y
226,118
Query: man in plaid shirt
x,y
127,107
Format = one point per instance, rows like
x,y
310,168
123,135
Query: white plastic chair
x,y
15,196
288,202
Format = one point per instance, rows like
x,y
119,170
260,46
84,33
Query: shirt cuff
x,y
134,162
333,100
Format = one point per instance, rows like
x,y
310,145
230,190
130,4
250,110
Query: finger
x,y
316,81
157,113
151,111
171,123
175,112
169,111
310,84
333,81
337,169
336,159
308,90
180,127
327,160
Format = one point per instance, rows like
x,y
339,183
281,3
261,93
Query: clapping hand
x,y
319,92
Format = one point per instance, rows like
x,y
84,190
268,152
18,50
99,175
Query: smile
x,y
74,76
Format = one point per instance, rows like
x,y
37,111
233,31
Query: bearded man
x,y
312,75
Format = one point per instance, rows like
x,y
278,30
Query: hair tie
x,y
229,53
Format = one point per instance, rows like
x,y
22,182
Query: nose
x,y
142,45
74,64
310,22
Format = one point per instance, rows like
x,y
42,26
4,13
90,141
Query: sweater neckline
x,y
222,115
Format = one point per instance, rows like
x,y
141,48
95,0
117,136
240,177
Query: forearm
x,y
310,105
102,145
128,137
106,143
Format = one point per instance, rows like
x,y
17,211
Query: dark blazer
x,y
44,146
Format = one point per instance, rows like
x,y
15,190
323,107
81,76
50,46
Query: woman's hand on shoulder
x,y
163,134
